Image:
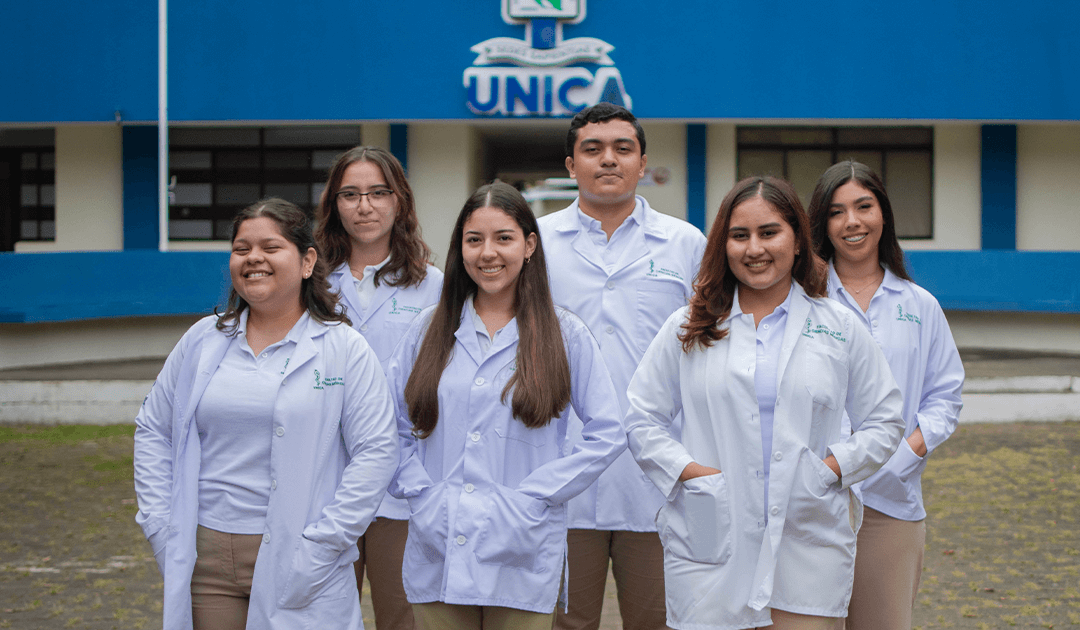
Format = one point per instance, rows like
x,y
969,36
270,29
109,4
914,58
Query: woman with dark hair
x,y
759,527
854,230
265,445
369,232
483,384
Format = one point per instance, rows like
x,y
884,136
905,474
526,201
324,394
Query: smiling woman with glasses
x,y
370,236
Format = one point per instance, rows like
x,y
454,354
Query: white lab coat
x,y
488,494
724,566
332,455
624,309
909,326
383,325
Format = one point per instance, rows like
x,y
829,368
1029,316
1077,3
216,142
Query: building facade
x,y
971,113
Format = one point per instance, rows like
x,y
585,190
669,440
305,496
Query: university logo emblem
x,y
542,74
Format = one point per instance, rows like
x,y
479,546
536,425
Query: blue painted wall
x,y
348,60
84,286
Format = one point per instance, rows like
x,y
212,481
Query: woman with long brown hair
x,y
370,235
854,229
759,527
483,384
265,445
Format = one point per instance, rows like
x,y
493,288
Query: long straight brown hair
x,y
714,290
540,384
409,254
890,253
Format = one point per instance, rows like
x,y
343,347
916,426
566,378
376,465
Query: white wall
x,y
89,341
375,135
665,145
89,191
1048,187
443,171
1045,332
720,167
957,196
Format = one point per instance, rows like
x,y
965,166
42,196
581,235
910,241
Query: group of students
x,y
463,437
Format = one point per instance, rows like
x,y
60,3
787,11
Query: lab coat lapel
x,y
305,348
383,292
466,336
214,347
796,320
342,280
587,249
636,249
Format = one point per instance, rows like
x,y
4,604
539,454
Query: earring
x,y
528,259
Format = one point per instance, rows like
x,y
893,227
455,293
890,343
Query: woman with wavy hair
x,y
483,384
759,527
854,229
370,235
265,445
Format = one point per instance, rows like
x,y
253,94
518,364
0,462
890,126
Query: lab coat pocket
x,y
428,526
657,299
696,524
316,572
521,532
817,509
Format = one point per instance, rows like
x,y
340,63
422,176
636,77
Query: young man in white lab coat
x,y
623,268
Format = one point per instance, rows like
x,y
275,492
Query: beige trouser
x,y
382,548
637,562
783,620
888,565
221,581
440,616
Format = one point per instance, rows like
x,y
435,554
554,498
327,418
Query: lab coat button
x,y
778,456
469,487
363,327
460,540
266,538
774,511
475,437
609,329
765,326
280,431
273,484
479,381
611,286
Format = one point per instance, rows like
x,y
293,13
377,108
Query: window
x,y
37,195
903,156
217,171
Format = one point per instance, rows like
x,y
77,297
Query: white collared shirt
x,y
235,418
365,286
611,249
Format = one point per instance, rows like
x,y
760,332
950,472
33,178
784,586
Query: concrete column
x,y
89,188
722,172
443,171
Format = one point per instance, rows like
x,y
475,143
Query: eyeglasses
x,y
378,198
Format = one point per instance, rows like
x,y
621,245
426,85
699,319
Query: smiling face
x,y
494,249
761,250
266,268
855,223
607,162
369,219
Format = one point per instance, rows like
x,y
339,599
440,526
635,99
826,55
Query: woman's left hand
x,y
833,465
917,443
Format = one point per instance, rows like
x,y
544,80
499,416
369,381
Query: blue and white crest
x,y
542,74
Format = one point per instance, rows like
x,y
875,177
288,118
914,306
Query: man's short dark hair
x,y
599,113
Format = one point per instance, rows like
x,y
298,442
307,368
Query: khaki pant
x,y
382,548
888,566
221,581
637,562
440,616
783,620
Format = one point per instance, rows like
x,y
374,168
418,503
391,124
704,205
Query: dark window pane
x,y
909,185
760,162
